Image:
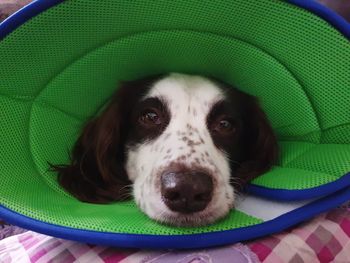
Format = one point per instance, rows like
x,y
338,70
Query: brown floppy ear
x,y
259,143
96,172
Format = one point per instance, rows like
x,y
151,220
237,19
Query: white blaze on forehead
x,y
182,91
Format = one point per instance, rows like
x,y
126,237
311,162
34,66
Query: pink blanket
x,y
324,239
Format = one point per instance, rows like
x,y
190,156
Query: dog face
x,y
185,145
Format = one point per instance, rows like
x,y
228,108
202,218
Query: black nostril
x,y
186,191
202,197
172,195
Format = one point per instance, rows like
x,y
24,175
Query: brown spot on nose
x,y
192,143
167,136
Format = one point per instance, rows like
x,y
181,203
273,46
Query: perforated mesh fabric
x,y
60,68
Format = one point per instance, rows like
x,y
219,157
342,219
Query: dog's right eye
x,y
150,118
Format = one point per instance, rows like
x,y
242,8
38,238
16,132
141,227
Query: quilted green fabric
x,y
61,67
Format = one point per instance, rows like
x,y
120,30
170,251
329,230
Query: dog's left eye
x,y
150,118
223,126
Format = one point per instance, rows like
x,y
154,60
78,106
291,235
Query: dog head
x,y
181,145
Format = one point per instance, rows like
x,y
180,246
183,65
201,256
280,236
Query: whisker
x,y
233,161
125,196
126,186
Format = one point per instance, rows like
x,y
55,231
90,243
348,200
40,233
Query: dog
x,y
183,146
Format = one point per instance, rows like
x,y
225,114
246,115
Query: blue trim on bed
x,y
329,15
24,14
38,6
295,195
181,241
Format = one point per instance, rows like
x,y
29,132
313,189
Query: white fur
x,y
189,99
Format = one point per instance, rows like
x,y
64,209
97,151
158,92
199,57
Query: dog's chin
x,y
197,219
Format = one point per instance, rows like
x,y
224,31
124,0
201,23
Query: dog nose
x,y
186,192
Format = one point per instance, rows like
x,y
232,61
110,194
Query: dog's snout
x,y
186,192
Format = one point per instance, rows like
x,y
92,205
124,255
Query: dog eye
x,y
224,127
150,118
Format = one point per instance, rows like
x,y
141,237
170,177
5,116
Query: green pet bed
x,y
61,61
